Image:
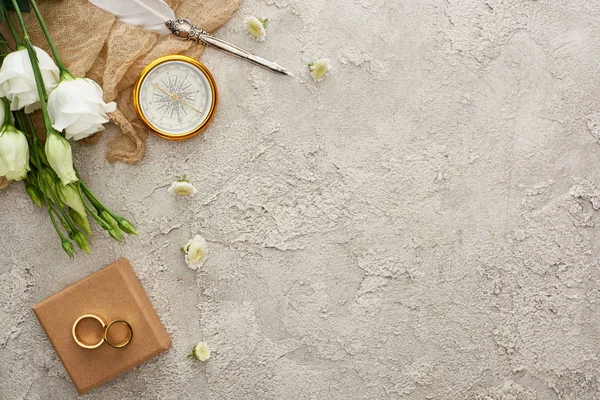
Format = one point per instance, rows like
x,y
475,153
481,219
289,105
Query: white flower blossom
x,y
76,106
17,82
318,69
201,351
256,27
195,252
182,187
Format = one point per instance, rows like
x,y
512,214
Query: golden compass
x,y
175,96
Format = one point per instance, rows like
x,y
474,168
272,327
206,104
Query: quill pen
x,y
157,15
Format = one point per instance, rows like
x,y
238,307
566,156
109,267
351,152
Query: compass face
x,y
176,97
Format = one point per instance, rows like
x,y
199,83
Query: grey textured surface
x,y
423,224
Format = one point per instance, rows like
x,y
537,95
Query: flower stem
x,y
88,193
41,184
66,244
70,226
103,224
4,45
6,105
21,123
23,128
51,211
94,200
55,54
39,81
11,27
122,224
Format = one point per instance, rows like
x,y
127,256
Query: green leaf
x,y
23,5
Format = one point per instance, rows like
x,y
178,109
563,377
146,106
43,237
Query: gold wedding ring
x,y
79,340
104,337
123,343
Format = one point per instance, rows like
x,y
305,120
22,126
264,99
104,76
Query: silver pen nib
x,y
185,30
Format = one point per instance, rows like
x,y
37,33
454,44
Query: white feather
x,y
150,14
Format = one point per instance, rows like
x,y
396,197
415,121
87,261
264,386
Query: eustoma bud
x,y
34,194
70,197
14,153
127,226
81,241
60,157
68,247
81,221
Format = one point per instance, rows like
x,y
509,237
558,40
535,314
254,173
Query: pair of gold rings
x,y
105,330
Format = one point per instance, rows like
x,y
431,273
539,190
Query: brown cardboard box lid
x,y
112,293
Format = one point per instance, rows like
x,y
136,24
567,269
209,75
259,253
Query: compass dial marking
x,y
176,98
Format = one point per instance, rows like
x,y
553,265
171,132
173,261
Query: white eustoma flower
x,y
17,82
195,252
318,69
182,187
76,106
256,27
201,351
60,157
14,153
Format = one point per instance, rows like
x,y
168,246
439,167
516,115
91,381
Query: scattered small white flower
x,y
318,69
195,252
182,187
256,27
200,352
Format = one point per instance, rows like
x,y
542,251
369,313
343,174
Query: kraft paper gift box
x,y
112,293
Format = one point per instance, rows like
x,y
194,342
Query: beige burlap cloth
x,y
94,44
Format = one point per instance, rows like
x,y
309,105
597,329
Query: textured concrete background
x,y
423,224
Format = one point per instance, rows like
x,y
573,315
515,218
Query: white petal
x,y
83,134
110,107
31,107
46,62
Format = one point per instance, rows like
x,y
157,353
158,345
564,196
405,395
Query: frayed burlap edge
x,y
130,146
